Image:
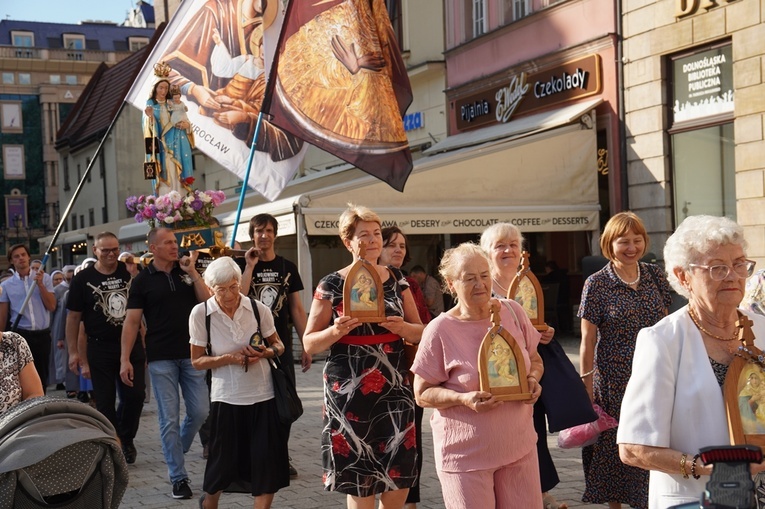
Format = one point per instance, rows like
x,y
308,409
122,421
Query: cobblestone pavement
x,y
149,487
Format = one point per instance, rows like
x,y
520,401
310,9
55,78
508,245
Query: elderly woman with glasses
x,y
248,444
673,405
485,448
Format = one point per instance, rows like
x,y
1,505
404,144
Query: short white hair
x,y
499,231
222,271
693,238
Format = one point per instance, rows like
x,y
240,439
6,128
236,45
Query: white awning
x,y
64,238
282,210
542,183
523,126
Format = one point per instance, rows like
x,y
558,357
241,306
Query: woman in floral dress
x,y
368,438
617,301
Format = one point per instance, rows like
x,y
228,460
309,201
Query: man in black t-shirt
x,y
98,298
164,293
275,281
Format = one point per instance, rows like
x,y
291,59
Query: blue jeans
x,y
166,378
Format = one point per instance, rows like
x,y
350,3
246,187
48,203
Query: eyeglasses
x,y
222,290
113,250
720,272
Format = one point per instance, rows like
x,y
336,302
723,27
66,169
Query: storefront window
x,y
703,160
704,172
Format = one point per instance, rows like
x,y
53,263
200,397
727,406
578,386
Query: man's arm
x,y
47,297
73,319
129,334
298,316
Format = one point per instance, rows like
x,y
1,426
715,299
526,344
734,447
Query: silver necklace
x,y
636,281
500,287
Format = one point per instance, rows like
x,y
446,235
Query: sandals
x,y
202,501
549,502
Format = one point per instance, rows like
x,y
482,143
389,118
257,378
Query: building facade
x,y
44,69
695,100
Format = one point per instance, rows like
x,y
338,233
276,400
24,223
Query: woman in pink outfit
x,y
485,448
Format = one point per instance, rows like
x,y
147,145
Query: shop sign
x,y
467,222
414,121
684,8
525,93
703,84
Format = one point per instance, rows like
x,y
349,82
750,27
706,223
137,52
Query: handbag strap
x,y
207,322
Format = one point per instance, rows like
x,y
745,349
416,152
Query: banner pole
x,y
246,179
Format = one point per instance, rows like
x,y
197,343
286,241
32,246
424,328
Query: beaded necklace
x,y
636,281
702,329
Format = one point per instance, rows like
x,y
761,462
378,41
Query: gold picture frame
x,y
501,368
363,291
744,391
526,291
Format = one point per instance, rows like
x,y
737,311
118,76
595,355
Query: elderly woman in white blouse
x,y
673,405
248,444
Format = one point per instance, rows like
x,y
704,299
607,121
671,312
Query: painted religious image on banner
x,y
363,292
703,84
216,52
751,400
503,367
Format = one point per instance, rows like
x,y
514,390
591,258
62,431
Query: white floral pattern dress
x,y
368,439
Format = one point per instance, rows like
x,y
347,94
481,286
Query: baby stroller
x,y
59,453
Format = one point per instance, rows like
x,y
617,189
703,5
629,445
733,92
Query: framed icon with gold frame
x,y
526,291
744,390
363,291
501,368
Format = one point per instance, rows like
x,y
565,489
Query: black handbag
x,y
563,392
288,403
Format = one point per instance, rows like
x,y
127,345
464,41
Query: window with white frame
x,y
23,39
74,41
71,79
136,43
520,9
8,78
25,78
55,79
479,18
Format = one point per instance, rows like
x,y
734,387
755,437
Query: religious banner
x,y
340,83
216,54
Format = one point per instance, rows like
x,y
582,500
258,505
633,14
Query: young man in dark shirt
x,y
275,281
98,298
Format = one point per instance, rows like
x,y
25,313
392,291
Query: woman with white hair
x,y
248,444
503,243
673,405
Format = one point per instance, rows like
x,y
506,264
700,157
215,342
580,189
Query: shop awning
x,y
541,182
64,238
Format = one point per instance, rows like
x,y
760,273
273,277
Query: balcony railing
x,y
15,52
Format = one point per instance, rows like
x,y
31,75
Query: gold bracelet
x,y
683,459
590,372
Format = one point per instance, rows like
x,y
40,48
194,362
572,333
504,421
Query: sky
x,y
65,11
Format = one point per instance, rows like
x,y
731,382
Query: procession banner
x,y
340,83
216,52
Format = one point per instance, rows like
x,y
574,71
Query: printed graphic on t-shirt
x,y
268,287
111,298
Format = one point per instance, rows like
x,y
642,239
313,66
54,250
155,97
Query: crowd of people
x,y
209,333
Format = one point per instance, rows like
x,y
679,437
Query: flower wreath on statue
x,y
173,209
